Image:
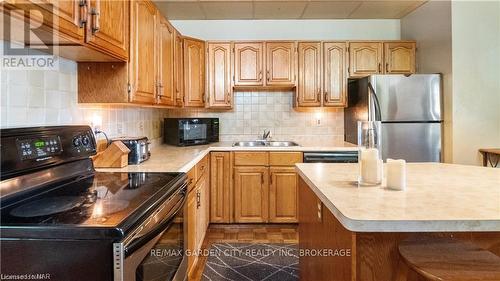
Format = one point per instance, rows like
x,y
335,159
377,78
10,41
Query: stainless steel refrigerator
x,y
409,108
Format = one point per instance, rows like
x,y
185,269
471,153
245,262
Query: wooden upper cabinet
x,y
248,64
280,63
57,22
309,68
194,73
334,74
365,58
251,194
220,90
166,45
108,26
283,195
69,17
220,187
399,57
178,70
143,62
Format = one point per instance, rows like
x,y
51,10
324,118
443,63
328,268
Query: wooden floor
x,y
253,233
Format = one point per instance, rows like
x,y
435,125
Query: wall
x,y
36,98
476,78
430,26
461,39
289,29
255,111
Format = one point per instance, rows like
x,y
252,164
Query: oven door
x,y
155,250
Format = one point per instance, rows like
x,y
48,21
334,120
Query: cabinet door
x,y
365,58
165,90
309,82
194,73
108,26
220,185
334,74
283,191
64,19
178,70
280,63
143,60
190,213
202,190
220,90
248,64
399,57
251,194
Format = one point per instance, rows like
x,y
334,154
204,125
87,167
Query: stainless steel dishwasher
x,y
331,157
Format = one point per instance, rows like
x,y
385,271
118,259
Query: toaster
x,y
139,149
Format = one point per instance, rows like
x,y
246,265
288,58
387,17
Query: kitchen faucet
x,y
265,135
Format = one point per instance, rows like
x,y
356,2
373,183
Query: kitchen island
x,y
352,233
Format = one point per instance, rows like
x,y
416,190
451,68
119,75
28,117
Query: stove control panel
x,y
39,148
82,142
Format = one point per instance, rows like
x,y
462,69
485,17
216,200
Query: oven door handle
x,y
138,241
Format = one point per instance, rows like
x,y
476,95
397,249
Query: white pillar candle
x,y
396,174
371,166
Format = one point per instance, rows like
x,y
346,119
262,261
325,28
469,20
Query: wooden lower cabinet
x,y
191,220
251,193
265,191
283,195
319,231
197,215
220,187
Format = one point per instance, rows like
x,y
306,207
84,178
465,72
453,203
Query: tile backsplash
x,y
255,111
48,97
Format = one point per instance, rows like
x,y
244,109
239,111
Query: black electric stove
x,y
57,213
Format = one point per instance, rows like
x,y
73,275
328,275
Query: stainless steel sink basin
x,y
265,143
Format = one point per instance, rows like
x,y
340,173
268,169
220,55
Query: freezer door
x,y
408,98
414,142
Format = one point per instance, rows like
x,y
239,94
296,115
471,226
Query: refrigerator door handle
x,y
378,116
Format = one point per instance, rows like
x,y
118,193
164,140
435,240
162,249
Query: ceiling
x,y
285,9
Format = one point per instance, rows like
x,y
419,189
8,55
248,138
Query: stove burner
x,y
48,206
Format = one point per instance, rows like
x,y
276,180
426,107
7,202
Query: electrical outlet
x,y
119,129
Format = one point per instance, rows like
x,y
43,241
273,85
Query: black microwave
x,y
190,131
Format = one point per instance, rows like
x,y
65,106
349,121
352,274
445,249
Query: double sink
x,y
263,143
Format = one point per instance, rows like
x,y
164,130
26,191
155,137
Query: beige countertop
x,y
168,158
439,197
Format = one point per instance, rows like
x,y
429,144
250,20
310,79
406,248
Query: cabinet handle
x,y
228,97
262,178
379,67
83,12
326,96
319,95
95,20
268,77
260,75
271,179
198,199
386,67
202,168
